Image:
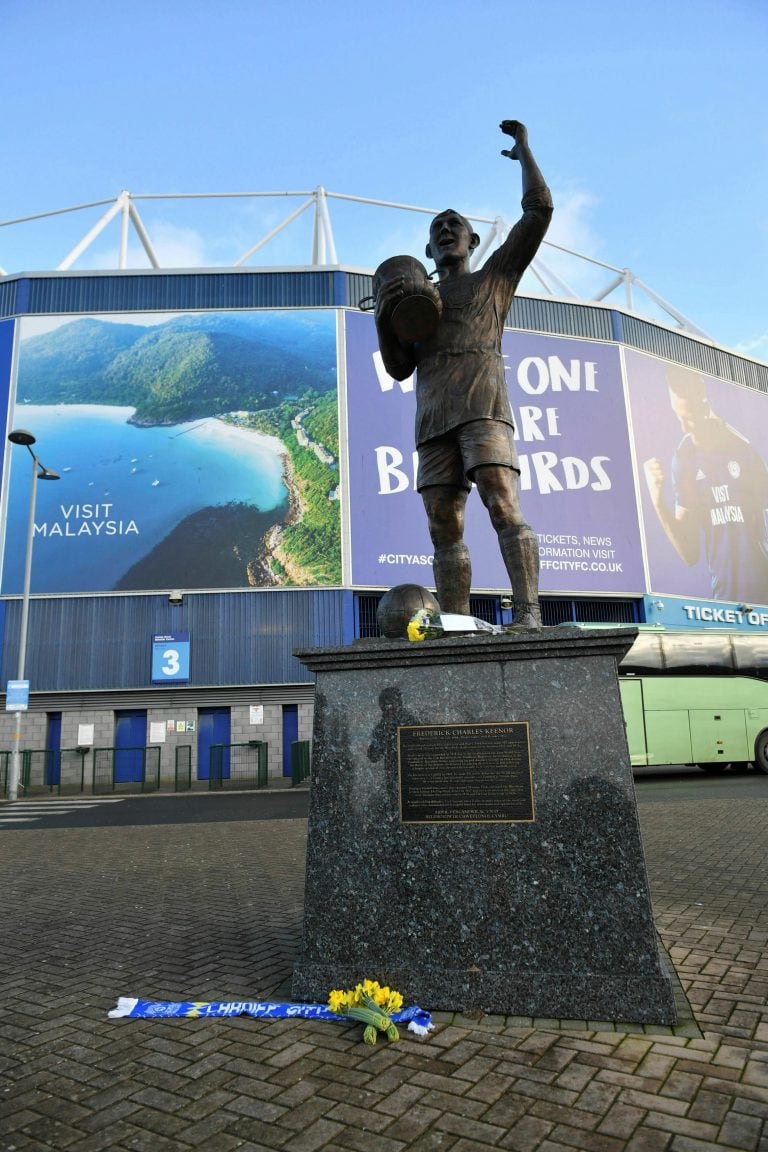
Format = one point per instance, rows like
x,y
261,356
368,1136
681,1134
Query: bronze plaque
x,y
465,773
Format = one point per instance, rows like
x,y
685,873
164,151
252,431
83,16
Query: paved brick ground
x,y
214,910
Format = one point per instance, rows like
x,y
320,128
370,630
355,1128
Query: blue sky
x,y
649,122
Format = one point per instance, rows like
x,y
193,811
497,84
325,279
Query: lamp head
x,y
21,436
47,474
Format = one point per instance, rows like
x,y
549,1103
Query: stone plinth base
x,y
544,917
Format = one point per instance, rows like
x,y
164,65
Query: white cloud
x,y
571,228
174,247
757,347
571,224
178,247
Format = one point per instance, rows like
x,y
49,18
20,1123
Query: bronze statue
x,y
464,428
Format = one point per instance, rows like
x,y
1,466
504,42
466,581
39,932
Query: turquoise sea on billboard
x,y
187,501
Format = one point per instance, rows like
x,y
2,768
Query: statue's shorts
x,y
451,459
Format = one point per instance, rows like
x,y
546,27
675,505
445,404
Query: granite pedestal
x,y
545,915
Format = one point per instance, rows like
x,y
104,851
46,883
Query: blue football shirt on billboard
x,y
170,658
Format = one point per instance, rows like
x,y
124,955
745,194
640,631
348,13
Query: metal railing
x,y
182,773
126,769
300,761
239,765
60,770
66,771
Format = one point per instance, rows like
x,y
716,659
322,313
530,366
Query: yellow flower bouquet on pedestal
x,y
372,1005
425,625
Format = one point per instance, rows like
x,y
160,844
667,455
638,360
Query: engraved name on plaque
x,y
465,773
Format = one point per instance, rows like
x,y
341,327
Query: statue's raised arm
x,y
532,177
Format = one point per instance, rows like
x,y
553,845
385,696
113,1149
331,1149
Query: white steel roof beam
x,y
125,219
535,269
141,232
611,287
324,248
682,320
97,229
57,212
274,232
565,289
323,229
495,236
318,237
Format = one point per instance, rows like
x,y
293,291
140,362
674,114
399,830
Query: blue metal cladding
x,y
132,291
9,291
237,638
694,353
527,312
147,292
6,355
358,286
539,315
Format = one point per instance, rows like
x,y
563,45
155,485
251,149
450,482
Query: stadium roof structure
x,y
123,209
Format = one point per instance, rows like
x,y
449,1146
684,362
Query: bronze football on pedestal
x,y
398,606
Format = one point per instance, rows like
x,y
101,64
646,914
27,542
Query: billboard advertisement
x,y
195,450
577,484
701,453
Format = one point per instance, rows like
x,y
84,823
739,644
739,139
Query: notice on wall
x,y
85,735
156,732
256,714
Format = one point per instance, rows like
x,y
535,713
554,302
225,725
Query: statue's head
x,y
451,238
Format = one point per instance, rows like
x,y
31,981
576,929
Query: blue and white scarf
x,y
417,1019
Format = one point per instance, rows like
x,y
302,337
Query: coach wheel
x,y
761,751
715,766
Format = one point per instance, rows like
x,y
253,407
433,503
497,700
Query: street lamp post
x,y
20,436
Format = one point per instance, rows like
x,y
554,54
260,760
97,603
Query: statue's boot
x,y
520,551
452,573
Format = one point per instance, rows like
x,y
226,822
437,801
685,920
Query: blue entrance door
x,y
290,733
213,727
53,747
130,743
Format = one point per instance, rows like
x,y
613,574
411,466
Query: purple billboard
x,y
700,450
576,472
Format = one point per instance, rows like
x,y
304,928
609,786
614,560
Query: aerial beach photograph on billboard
x,y
197,450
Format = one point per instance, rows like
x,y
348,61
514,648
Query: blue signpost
x,y
17,696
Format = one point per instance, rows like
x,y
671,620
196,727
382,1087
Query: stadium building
x,y
235,480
